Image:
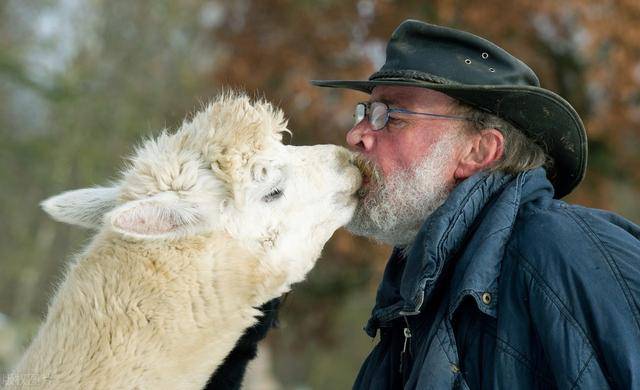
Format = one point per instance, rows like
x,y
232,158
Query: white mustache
x,y
370,171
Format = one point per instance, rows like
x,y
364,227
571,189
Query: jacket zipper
x,y
405,355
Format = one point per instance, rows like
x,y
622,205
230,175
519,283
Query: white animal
x,y
205,225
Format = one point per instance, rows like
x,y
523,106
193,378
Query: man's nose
x,y
361,137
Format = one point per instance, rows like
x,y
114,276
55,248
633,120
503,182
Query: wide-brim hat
x,y
481,74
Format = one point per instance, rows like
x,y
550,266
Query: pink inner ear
x,y
146,219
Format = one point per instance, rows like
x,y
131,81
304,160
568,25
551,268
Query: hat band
x,y
413,75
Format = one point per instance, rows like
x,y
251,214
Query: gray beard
x,y
393,209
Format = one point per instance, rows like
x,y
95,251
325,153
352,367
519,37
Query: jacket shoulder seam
x,y
560,305
515,354
528,267
582,371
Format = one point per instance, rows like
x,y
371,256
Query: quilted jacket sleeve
x,y
581,273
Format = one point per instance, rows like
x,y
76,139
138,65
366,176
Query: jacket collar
x,y
486,205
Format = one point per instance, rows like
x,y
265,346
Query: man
x,y
493,282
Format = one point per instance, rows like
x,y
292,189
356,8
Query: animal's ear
x,y
85,207
160,216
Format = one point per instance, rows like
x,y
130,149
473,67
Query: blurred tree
x,y
80,83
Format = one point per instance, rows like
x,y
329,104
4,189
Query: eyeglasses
x,y
378,114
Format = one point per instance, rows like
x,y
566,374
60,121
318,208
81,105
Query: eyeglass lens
x,y
377,113
360,113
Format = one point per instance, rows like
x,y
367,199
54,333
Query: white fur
x,y
186,248
83,207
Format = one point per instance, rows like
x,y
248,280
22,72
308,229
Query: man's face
x,y
414,157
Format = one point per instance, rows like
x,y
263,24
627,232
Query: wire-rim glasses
x,y
378,114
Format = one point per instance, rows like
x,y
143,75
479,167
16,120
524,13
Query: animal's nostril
x,y
345,157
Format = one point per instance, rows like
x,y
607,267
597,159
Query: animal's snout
x,y
348,168
336,166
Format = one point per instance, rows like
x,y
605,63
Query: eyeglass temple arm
x,y
400,110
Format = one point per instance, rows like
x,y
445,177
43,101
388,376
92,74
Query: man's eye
x,y
395,121
273,195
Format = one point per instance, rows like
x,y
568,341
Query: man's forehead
x,y
405,95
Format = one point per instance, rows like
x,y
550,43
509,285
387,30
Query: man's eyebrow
x,y
388,101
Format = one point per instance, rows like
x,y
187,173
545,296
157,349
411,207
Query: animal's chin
x,y
351,204
347,198
344,205
345,213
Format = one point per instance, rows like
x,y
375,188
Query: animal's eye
x,y
273,195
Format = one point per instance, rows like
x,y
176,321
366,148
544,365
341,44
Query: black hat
x,y
481,74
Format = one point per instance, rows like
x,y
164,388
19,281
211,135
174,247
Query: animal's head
x,y
225,170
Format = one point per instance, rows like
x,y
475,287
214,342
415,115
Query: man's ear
x,y
482,150
163,215
85,207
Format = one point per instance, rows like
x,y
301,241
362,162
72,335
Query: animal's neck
x,y
159,311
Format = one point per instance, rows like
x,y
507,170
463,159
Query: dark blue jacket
x,y
507,288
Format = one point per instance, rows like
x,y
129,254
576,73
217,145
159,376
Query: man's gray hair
x,y
521,153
